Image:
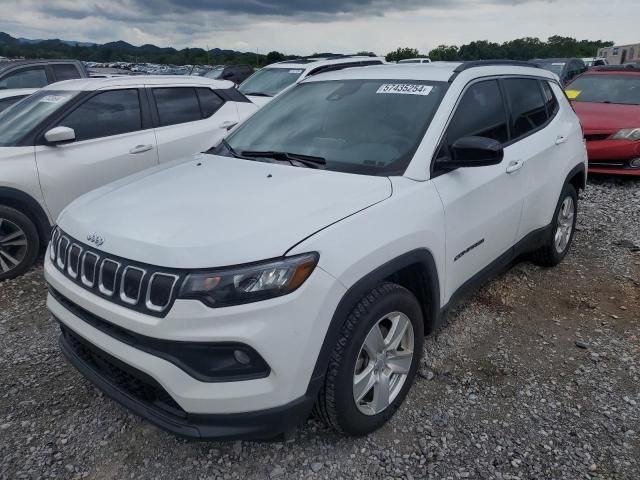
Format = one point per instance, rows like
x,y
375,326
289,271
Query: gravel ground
x,y
535,377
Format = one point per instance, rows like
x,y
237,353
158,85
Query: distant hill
x,y
121,51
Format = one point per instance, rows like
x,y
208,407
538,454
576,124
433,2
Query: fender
x,y
580,168
29,206
432,316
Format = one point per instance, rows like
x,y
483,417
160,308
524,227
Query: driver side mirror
x,y
58,135
474,152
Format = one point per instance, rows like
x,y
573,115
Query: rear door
x,y
482,204
190,120
114,139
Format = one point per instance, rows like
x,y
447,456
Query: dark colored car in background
x,y
607,101
566,68
38,73
234,73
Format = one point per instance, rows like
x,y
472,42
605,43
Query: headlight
x,y
627,134
249,283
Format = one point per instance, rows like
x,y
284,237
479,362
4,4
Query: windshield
x,y
623,89
270,81
23,117
370,127
555,67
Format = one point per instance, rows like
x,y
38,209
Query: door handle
x,y
515,166
140,149
561,139
228,124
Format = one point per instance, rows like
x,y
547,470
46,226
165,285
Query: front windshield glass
x,y
270,81
23,117
370,127
624,89
555,67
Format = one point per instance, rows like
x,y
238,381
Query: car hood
x,y
607,117
217,211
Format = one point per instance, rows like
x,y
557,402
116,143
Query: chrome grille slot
x,y
131,284
108,276
88,269
63,245
73,260
55,236
160,291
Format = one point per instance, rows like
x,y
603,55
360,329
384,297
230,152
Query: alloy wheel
x,y
383,363
13,245
564,226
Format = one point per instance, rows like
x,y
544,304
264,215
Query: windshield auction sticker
x,y
295,71
53,98
573,94
405,89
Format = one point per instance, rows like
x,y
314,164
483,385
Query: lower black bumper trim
x,y
258,425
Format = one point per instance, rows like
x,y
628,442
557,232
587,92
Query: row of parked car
x,y
226,294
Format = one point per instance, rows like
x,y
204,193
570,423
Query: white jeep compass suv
x,y
302,261
71,137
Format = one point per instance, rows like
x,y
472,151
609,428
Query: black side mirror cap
x,y
474,152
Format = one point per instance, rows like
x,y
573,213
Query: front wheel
x,y
374,361
560,236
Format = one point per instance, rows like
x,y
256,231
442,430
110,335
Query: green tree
x,y
274,56
444,53
401,54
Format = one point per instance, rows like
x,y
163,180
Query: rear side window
x,y
65,72
209,102
106,114
550,99
481,112
528,111
177,105
34,77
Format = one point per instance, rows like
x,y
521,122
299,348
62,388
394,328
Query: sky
x,y
308,26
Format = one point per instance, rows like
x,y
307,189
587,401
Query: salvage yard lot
x,y
536,376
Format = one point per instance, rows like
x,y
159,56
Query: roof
x,y
435,71
548,60
88,84
6,64
321,61
628,68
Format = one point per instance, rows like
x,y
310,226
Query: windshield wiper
x,y
294,159
258,94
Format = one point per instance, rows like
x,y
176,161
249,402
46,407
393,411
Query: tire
x,y
551,254
19,243
385,307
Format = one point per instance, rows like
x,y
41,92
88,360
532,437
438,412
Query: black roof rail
x,y
487,63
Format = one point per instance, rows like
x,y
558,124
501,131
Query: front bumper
x,y
613,156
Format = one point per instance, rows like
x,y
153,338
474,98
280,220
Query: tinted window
x,y
209,102
268,82
177,105
607,88
65,72
7,102
528,110
480,113
106,114
550,99
25,78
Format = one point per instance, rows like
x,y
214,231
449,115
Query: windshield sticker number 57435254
x,y
405,89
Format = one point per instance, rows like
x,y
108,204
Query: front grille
x,y
124,377
145,288
617,164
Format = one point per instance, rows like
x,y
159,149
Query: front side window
x,y
370,127
24,117
528,110
269,82
177,105
480,113
65,72
607,88
34,77
106,114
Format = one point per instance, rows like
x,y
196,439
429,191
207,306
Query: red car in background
x,y
607,101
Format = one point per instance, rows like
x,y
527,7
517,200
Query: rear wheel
x,y
560,237
374,361
19,243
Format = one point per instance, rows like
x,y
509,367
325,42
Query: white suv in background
x,y
302,261
271,80
71,137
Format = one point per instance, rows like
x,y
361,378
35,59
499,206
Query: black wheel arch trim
x,y
422,257
580,168
17,199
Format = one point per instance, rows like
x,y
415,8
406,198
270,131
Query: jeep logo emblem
x,y
97,240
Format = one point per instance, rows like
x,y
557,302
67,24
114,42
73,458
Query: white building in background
x,y
621,54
